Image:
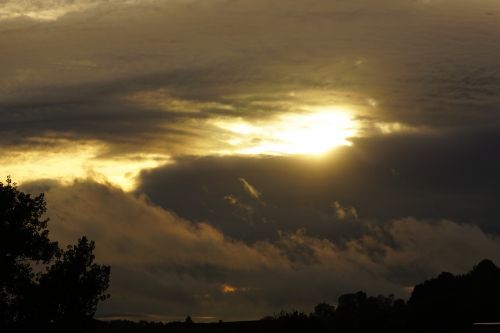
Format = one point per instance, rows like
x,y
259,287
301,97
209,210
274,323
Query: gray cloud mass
x,y
432,64
211,233
166,267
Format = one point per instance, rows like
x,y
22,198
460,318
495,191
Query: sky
x,y
235,158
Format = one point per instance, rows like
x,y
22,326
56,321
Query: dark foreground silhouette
x,y
43,288
447,303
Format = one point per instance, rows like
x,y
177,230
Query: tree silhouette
x,y
74,285
452,303
65,292
324,311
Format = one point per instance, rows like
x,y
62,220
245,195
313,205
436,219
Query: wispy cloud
x,y
252,191
342,213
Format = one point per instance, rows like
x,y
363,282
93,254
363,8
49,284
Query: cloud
x,y
382,179
131,85
243,211
159,87
141,83
252,191
64,160
52,10
167,267
42,10
344,213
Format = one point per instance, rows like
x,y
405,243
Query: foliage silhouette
x,y
43,287
324,311
447,304
452,303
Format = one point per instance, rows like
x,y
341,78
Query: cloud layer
x,y
167,267
159,96
93,75
452,176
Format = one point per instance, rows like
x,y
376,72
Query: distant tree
x,y
452,303
73,285
65,292
188,320
351,302
293,315
324,311
292,321
359,313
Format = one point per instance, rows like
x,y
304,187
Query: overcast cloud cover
x,y
140,94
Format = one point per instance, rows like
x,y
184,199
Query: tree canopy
x,y
41,285
447,303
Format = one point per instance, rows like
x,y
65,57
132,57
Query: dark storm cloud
x,y
165,267
92,111
452,175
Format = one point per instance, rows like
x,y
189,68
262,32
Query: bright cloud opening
x,y
312,133
67,161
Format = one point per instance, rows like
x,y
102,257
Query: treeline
x,y
447,303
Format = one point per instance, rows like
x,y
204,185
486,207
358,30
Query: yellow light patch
x,y
311,133
14,10
163,100
395,127
67,161
228,289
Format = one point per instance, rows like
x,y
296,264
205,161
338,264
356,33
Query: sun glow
x,y
68,161
312,133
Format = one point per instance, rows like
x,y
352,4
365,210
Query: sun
x,y
307,133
